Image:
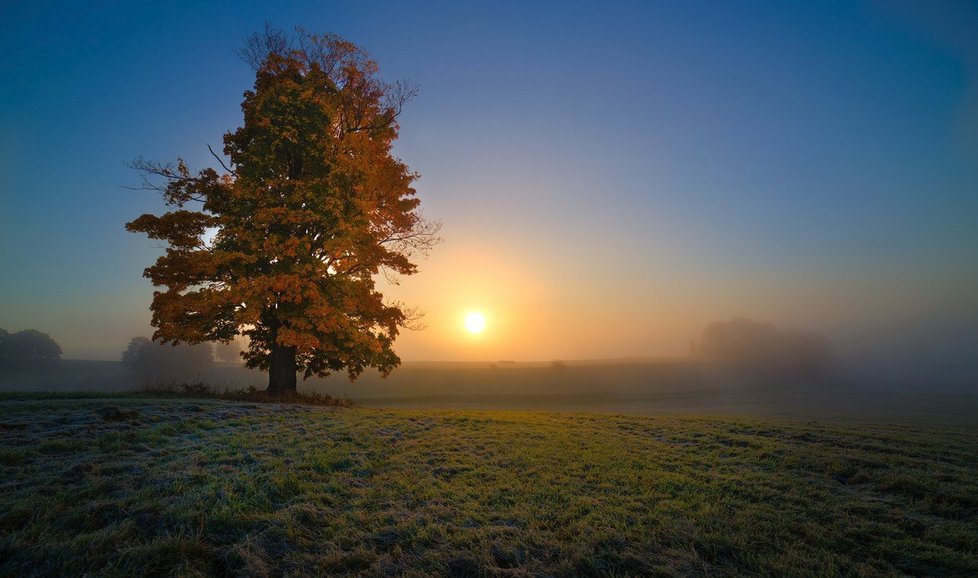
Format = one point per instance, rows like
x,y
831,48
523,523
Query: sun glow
x,y
475,322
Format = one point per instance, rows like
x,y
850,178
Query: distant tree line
x,y
27,349
766,350
151,363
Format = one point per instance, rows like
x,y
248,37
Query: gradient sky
x,y
610,176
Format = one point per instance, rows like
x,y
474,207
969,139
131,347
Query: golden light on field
x,y
475,322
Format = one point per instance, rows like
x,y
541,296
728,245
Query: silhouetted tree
x,y
134,352
310,208
766,349
27,348
154,363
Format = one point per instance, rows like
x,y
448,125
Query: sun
x,y
475,322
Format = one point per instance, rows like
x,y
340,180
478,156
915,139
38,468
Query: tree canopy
x,y
27,348
309,209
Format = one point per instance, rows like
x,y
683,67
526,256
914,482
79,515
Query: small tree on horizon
x,y
310,209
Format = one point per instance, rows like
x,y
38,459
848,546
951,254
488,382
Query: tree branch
x,y
220,160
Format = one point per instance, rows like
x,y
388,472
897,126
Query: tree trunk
x,y
281,374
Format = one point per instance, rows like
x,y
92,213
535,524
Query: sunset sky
x,y
610,176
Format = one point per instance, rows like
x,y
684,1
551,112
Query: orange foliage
x,y
313,205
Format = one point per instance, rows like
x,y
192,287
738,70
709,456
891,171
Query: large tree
x,y
311,207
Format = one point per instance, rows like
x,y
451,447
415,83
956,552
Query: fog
x,y
737,209
737,366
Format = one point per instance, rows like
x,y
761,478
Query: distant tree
x,y
26,349
310,209
134,352
229,352
766,349
152,363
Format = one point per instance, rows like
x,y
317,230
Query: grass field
x,y
124,486
649,387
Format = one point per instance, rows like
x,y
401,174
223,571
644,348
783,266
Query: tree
x,y
310,209
765,349
229,352
27,348
154,363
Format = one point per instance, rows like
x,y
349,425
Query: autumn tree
x,y
309,209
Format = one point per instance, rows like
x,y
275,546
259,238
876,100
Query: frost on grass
x,y
171,486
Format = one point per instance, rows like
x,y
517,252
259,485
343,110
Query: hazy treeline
x,y
152,364
766,351
27,349
731,360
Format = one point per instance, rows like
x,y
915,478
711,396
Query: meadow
x,y
134,486
649,387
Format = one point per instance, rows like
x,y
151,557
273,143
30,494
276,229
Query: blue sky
x,y
629,170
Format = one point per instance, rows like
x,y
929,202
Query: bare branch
x,y
413,317
421,238
176,189
260,45
220,160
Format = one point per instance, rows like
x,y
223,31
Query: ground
x,y
129,486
